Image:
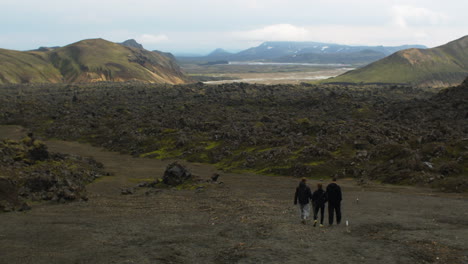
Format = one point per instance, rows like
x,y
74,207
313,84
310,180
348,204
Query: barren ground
x,y
280,77
247,219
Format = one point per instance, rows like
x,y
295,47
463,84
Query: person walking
x,y
318,200
334,201
303,195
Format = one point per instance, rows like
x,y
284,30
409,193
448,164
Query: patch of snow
x,y
269,47
324,48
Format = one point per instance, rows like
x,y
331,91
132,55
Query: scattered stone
x,y
361,154
428,164
176,174
143,184
200,189
215,177
127,191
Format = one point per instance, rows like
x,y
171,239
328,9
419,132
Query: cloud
x,y
152,39
277,32
405,16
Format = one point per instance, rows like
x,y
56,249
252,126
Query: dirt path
x,y
248,219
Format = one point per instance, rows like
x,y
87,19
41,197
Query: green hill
x,y
89,60
443,66
27,67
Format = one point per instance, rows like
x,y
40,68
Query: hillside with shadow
x,y
89,60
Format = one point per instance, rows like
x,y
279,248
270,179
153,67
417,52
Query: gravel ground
x,y
245,219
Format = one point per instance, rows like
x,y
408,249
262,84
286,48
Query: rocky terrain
x,y
395,134
243,218
30,173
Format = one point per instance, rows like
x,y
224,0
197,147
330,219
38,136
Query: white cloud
x,y
278,32
405,16
238,24
430,35
152,39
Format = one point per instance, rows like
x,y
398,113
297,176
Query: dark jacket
x,y
319,198
303,194
333,193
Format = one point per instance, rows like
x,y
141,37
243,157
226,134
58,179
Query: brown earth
x,y
246,219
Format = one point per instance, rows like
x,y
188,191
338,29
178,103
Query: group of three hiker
x,y
332,195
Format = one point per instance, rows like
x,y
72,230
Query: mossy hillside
x,y
442,66
383,134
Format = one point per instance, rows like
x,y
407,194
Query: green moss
x,y
259,124
190,185
249,149
298,151
315,163
212,145
264,149
169,131
303,121
345,151
162,154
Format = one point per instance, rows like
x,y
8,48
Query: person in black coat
x,y
303,195
334,202
319,199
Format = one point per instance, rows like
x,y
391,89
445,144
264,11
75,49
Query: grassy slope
x,y
88,61
441,66
25,67
100,60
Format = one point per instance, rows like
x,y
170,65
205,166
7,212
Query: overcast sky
x,y
199,26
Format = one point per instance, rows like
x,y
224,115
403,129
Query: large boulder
x,y
176,174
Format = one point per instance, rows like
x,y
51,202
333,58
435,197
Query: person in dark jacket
x,y
303,195
319,199
334,201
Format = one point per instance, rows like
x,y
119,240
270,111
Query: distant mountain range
x,y
303,52
442,66
90,60
94,60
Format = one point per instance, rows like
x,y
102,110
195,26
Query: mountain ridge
x,y
300,52
442,66
132,43
89,60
